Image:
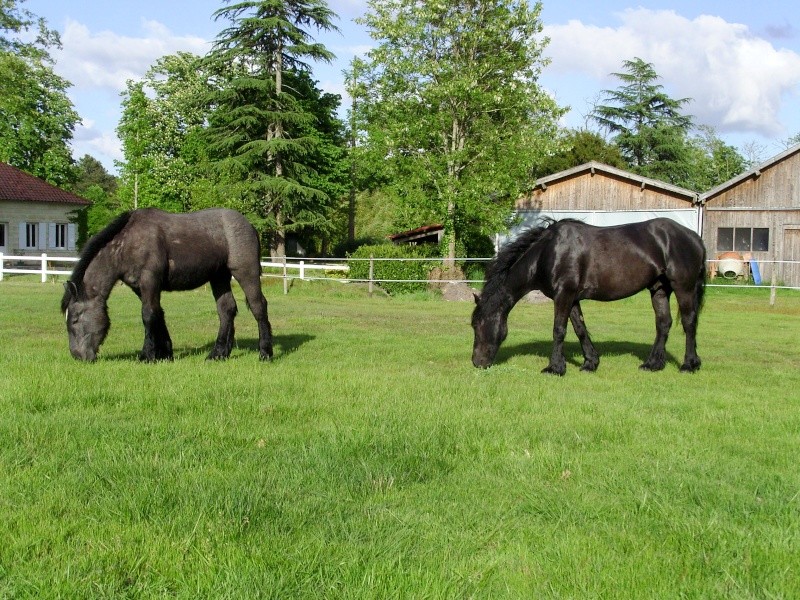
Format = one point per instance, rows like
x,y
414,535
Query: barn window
x,y
725,239
760,239
743,239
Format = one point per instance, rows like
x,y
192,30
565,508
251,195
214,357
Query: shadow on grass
x,y
573,354
282,346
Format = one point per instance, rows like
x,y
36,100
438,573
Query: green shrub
x,y
403,274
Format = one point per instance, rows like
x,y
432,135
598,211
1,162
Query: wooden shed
x,y
757,214
602,195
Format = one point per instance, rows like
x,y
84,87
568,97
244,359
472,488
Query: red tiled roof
x,y
18,186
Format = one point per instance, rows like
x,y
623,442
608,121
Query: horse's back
x,y
609,263
192,248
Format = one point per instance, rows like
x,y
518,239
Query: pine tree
x,y
647,125
260,130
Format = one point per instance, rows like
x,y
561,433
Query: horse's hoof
x,y
589,367
652,368
690,368
554,371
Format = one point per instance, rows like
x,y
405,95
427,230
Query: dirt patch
x,y
536,297
457,292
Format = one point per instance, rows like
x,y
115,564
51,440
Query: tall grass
x,y
371,460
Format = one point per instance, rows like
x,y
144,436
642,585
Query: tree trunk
x,y
279,239
280,230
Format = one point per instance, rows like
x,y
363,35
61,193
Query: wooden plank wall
x,y
600,192
777,187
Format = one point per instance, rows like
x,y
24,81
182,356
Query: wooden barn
x,y
757,214
602,195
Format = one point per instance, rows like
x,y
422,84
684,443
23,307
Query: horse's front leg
x,y
591,359
157,343
558,363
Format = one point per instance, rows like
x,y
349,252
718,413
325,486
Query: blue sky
x,y
738,61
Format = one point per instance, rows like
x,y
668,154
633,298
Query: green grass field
x,y
371,460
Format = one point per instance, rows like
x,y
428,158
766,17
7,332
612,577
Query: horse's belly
x,y
616,285
180,279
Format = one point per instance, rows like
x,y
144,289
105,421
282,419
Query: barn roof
x,y
593,167
19,186
415,234
751,174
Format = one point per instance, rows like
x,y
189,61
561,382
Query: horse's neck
x,y
100,276
521,279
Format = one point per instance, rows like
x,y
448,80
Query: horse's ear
x,y
477,297
71,289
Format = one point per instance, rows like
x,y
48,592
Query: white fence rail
x,y
307,269
32,265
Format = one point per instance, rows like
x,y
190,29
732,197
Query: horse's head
x,y
87,322
491,328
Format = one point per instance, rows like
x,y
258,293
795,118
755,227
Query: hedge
x,y
396,269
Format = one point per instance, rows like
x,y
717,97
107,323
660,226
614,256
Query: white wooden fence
x,y
294,268
45,265
32,265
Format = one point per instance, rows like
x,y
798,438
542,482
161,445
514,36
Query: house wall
x,y
12,214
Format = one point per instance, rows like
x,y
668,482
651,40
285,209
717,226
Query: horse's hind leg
x,y
251,285
659,296
690,311
591,359
226,309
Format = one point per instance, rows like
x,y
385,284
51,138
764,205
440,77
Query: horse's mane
x,y
92,248
500,266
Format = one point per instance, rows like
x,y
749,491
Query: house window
x,y
31,235
59,236
2,235
743,239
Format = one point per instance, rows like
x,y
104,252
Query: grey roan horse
x,y
570,261
153,251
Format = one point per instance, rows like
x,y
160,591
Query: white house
x,y
36,217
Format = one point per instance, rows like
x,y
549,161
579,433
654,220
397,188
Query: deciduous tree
x,y
37,119
453,104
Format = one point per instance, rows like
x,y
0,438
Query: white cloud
x,y
107,60
738,82
348,8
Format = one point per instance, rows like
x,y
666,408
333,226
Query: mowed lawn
x,y
369,459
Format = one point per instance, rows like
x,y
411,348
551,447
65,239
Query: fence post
x,y
773,289
44,268
1,266
371,272
302,270
285,280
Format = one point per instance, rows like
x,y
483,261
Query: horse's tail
x,y
700,284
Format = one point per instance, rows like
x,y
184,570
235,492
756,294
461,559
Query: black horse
x,y
570,261
153,251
